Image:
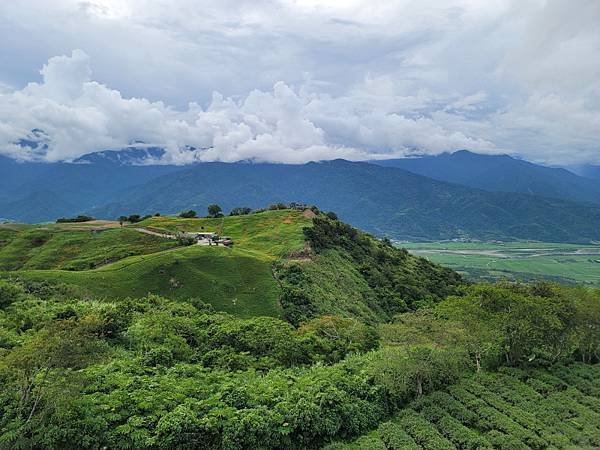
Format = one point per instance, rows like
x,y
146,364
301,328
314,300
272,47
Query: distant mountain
x,y
130,156
586,170
501,173
383,200
36,192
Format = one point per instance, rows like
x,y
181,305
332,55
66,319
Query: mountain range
x,y
463,195
503,173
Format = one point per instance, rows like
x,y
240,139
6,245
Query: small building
x,y
202,237
209,238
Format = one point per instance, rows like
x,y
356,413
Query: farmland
x,y
559,408
524,261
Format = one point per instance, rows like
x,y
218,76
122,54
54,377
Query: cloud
x,y
79,116
300,80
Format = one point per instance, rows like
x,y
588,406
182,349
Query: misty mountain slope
x,y
501,173
382,200
35,192
586,170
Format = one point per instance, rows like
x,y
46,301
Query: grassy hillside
x,y
511,410
275,268
271,234
72,246
237,280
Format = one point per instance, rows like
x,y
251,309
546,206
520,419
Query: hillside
x,y
501,173
586,170
385,201
72,246
38,192
514,409
491,367
271,262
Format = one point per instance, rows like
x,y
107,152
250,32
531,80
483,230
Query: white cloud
x,y
80,116
302,79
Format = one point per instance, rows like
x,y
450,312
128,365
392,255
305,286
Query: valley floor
x,y
524,261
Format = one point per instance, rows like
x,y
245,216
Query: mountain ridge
x,y
501,173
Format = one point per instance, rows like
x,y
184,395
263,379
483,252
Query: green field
x,y
122,262
570,263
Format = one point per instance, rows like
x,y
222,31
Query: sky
x,y
299,80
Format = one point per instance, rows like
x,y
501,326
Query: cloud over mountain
x,y
295,81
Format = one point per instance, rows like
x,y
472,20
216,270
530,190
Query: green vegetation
x,y
239,280
525,261
71,248
354,274
156,373
76,219
307,333
508,410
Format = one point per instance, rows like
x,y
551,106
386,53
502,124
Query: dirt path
x,y
154,233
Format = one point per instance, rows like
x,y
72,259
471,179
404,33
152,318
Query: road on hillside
x,y
154,233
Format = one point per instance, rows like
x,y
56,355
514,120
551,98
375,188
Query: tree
x,y
412,371
242,211
189,214
587,324
43,370
214,210
122,220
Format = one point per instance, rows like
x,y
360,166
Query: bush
x,y
394,437
80,218
189,214
423,432
240,211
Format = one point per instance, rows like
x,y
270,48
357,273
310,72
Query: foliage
x,y
381,279
240,211
188,214
185,240
80,218
514,410
520,323
377,346
214,210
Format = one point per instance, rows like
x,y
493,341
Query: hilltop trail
x,y
154,233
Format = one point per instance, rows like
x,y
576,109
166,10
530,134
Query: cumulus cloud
x,y
77,116
292,81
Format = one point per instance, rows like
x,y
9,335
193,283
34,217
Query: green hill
x,y
274,268
72,246
237,280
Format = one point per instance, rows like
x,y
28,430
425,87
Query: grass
x,y
571,263
272,233
49,247
237,280
232,280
